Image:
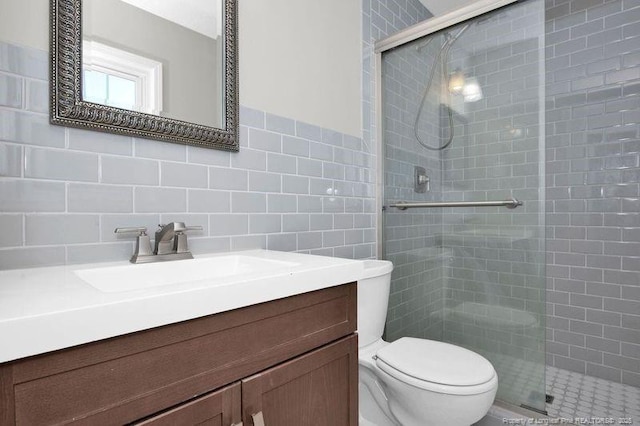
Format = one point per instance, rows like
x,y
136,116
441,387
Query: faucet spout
x,y
165,235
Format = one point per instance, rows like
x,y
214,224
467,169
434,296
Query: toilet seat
x,y
437,366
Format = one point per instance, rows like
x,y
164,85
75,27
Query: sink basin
x,y
136,277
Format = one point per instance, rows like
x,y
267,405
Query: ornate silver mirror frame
x,y
68,109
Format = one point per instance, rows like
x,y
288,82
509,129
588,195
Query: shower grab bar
x,y
510,204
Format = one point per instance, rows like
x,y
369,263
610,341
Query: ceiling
x,y
440,7
202,16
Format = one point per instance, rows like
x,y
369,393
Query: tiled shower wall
x,y
293,186
409,299
592,145
412,236
593,179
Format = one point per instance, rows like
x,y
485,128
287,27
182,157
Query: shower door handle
x,y
510,204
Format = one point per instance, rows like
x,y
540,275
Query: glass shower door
x,y
464,107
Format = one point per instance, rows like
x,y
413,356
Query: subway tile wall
x,y
493,258
593,180
411,236
293,186
408,301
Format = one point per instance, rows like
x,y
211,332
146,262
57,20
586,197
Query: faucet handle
x,y
142,230
143,243
180,240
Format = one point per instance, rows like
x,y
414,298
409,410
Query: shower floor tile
x,y
579,397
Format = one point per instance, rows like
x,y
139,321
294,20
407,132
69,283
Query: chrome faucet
x,y
170,243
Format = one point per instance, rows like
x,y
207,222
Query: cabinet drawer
x,y
219,408
130,377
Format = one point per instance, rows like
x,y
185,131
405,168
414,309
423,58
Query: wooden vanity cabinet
x,y
292,361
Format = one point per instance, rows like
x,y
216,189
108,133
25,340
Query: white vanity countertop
x,y
45,309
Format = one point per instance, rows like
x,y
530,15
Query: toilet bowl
x,y
414,382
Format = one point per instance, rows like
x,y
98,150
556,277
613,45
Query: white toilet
x,y
414,382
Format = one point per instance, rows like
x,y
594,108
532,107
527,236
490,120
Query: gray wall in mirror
x,y
191,61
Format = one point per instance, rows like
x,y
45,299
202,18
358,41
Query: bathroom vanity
x,y
289,360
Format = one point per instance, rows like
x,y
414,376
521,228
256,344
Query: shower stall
x,y
491,176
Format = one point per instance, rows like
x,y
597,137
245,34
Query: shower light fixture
x,y
471,90
456,82
468,87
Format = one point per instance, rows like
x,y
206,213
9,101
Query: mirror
x,y
156,69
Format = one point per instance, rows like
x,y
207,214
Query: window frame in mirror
x,y
67,107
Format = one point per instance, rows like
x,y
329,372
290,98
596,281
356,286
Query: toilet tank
x,y
373,299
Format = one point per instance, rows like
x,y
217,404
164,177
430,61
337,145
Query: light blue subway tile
x,y
282,242
248,202
251,117
129,171
228,224
147,148
29,128
38,96
31,257
11,88
331,137
281,124
295,222
31,196
11,225
332,238
265,223
208,201
320,222
279,163
264,182
150,199
249,159
308,131
53,229
265,140
320,151
308,167
345,252
60,165
212,157
10,160
228,179
282,203
333,205
24,61
295,146
203,245
248,242
183,175
105,252
94,198
309,240
295,184
309,204
105,143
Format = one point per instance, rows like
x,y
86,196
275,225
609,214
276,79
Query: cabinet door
x,y
219,408
319,388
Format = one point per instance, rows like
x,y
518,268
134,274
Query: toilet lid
x,y
436,362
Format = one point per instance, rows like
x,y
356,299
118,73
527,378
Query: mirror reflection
x,y
158,57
